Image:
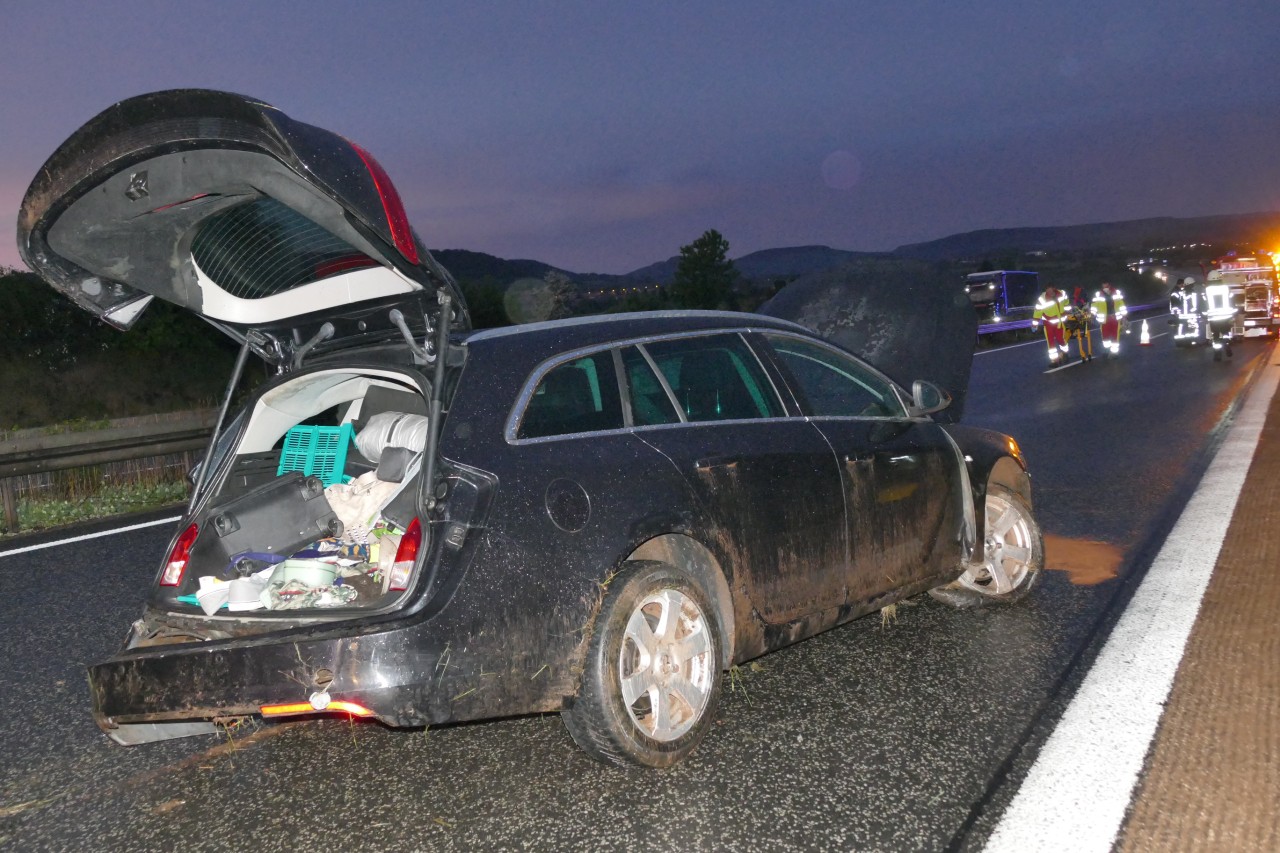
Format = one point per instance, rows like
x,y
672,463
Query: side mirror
x,y
927,398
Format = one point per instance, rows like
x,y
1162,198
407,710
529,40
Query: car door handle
x,y
715,462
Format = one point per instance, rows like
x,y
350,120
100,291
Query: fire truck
x,y
1251,280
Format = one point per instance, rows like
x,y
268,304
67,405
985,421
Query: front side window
x,y
577,396
833,384
715,378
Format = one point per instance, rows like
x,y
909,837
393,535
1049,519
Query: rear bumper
x,y
1260,325
410,675
233,678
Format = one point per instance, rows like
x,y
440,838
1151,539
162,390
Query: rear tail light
x,y
401,233
406,557
176,566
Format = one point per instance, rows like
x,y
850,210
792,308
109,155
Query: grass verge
x,y
109,500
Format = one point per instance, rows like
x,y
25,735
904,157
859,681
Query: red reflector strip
x,y
337,265
401,233
184,201
289,708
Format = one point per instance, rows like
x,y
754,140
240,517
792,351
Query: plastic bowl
x,y
313,573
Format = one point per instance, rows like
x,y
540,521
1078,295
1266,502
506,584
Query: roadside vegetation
x,y
59,364
42,500
63,371
108,500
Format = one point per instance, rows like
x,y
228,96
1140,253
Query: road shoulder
x,y
1211,777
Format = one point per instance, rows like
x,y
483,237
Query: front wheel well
x,y
1008,473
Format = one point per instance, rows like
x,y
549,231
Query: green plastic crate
x,y
316,451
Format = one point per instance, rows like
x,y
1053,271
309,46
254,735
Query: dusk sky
x,y
600,137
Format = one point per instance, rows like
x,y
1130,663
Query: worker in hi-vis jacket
x,y
1052,308
1109,311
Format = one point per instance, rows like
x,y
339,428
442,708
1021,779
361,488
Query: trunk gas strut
x,y
236,372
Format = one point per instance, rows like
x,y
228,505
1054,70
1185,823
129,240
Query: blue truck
x,y
1004,299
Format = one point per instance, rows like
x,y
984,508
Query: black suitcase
x,y
278,517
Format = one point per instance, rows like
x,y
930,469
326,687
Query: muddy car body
x,y
600,516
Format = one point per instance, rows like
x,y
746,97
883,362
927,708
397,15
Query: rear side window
x,y
835,385
715,378
650,404
577,396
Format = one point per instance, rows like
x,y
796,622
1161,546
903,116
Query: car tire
x,y
1013,550
651,678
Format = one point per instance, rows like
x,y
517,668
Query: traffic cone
x,y
1145,340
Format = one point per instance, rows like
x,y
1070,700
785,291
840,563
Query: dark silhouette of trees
x,y
484,302
705,276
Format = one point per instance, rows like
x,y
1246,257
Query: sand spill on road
x,y
1086,563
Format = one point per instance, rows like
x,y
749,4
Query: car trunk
x,y
293,241
312,495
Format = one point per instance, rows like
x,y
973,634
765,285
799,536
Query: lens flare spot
x,y
841,170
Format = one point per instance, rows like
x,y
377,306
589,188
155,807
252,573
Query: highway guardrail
x,y
35,454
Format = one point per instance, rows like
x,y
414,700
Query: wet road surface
x,y
905,735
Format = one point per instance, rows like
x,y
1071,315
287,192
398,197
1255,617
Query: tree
x,y
705,275
560,291
484,302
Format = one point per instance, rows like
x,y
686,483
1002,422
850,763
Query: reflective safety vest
x,y
1051,310
1217,299
1184,301
1099,306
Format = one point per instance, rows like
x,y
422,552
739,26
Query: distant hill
x,y
764,264
797,260
479,268
1253,230
1137,235
662,271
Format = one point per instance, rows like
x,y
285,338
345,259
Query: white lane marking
x,y
1063,366
1039,341
110,532
1076,794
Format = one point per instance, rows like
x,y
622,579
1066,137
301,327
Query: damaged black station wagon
x,y
421,523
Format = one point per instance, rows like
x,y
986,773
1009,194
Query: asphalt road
x,y
907,735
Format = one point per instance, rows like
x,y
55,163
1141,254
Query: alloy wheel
x,y
1008,548
666,665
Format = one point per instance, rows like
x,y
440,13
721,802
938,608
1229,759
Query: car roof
x,y
601,329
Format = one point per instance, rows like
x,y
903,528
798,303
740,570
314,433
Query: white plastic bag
x,y
358,503
392,429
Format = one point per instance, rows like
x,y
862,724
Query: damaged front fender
x,y
989,457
